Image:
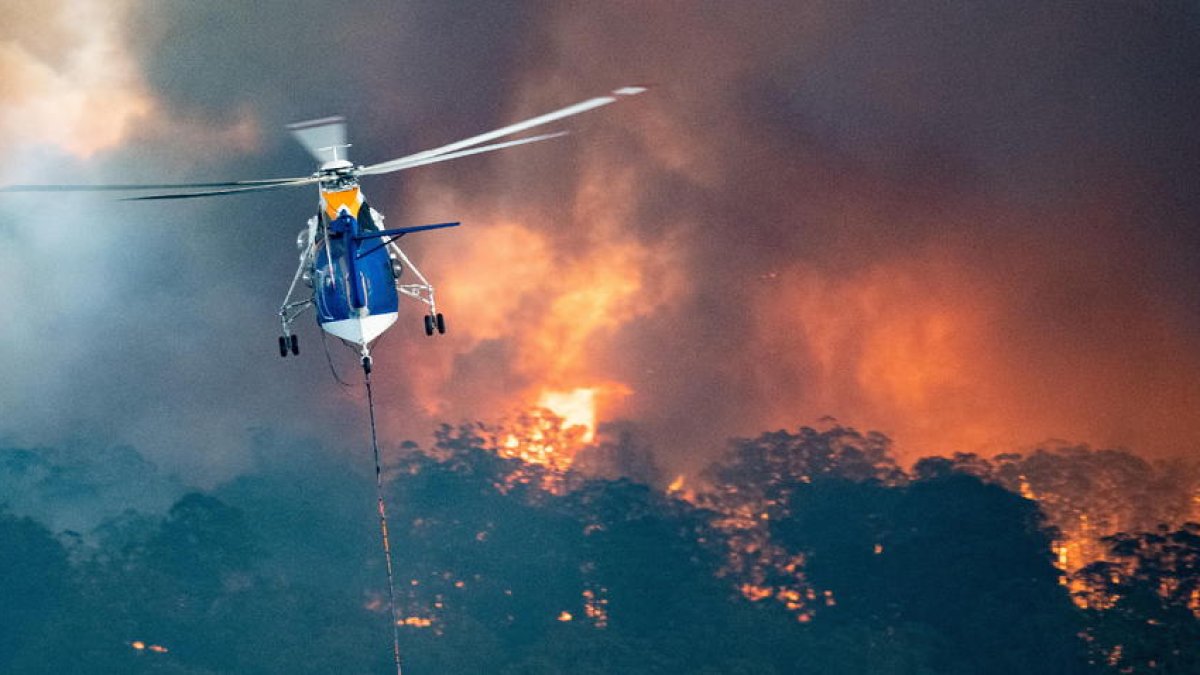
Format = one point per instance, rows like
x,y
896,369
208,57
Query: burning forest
x,y
519,549
967,227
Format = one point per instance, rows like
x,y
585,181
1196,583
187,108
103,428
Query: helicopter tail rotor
x,y
323,138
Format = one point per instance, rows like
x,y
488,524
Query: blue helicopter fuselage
x,y
353,265
354,287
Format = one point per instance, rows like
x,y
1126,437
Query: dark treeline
x,y
806,552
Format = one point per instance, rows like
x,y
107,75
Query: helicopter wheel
x,y
283,346
428,325
295,345
441,324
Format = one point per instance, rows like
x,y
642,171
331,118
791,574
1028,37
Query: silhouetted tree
x,y
966,559
1089,494
760,473
311,513
619,452
813,553
1144,603
752,487
34,588
841,527
612,572
470,541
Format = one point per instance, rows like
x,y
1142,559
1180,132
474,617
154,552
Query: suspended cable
x,y
329,360
383,527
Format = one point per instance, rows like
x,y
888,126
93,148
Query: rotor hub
x,y
339,166
337,174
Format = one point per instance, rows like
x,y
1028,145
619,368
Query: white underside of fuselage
x,y
361,330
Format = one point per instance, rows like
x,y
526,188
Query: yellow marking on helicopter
x,y
334,201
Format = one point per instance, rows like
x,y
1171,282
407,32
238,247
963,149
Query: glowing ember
x,y
595,606
143,647
565,616
415,622
754,592
791,599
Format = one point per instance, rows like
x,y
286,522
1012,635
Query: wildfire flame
x,y
576,408
551,433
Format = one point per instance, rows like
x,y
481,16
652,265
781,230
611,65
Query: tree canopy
x,y
802,552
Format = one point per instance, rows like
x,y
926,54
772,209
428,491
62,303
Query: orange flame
x,y
576,408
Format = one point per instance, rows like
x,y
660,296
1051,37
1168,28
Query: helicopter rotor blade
x,y
218,193
396,166
135,187
332,131
581,107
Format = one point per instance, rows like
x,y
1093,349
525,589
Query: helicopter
x,y
350,262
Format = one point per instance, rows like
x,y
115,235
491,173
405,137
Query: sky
x,y
970,226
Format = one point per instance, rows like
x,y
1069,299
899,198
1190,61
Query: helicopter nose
x,y
361,329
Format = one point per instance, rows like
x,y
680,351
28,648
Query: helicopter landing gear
x,y
433,321
289,343
420,290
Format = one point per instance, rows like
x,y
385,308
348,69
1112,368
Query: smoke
x,y
968,226
77,488
963,226
64,80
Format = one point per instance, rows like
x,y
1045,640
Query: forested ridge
x,y
797,552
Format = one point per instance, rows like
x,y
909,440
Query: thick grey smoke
x,y
971,226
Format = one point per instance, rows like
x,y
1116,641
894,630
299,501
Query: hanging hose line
x,y
383,527
329,360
